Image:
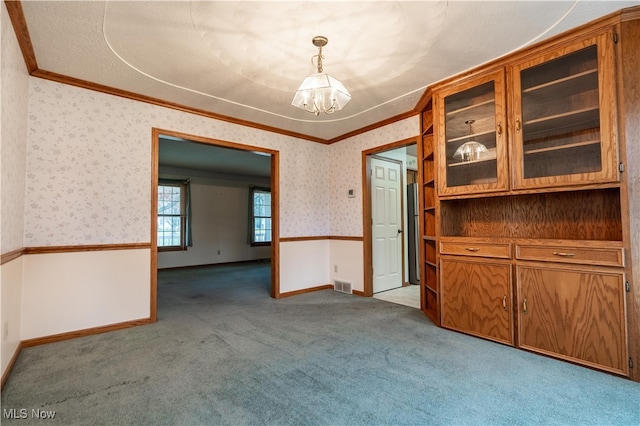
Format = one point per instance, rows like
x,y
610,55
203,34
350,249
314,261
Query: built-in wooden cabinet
x,y
476,292
549,123
567,258
573,312
535,238
471,125
562,119
430,213
544,129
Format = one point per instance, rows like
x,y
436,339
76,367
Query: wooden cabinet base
x,y
577,314
476,298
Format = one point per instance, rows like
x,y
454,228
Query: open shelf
x,y
570,215
429,219
427,121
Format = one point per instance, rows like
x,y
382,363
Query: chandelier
x,y
320,92
470,150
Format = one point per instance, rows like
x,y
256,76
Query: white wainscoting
x,y
347,258
10,325
303,264
65,292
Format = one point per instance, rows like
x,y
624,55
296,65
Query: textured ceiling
x,y
245,59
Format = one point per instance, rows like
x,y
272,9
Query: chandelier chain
x,y
319,57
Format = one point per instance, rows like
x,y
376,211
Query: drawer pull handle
x,y
524,306
504,303
474,249
559,253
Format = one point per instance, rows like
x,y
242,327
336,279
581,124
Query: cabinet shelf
x,y
426,287
561,147
427,121
563,87
474,135
487,103
472,162
571,119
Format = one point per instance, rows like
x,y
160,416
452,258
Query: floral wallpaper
x,y
89,167
13,139
345,165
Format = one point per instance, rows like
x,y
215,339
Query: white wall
x,y
14,84
309,261
89,167
86,181
345,172
220,217
65,292
346,262
11,297
89,171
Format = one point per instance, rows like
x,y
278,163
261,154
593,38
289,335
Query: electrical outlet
x,y
218,252
335,268
5,330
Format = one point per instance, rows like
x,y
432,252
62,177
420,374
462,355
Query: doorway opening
x,y
214,159
390,210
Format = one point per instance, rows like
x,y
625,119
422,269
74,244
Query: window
x,y
173,215
260,216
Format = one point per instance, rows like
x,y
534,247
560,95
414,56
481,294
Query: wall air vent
x,y
342,286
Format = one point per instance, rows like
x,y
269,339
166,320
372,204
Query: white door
x,y
386,214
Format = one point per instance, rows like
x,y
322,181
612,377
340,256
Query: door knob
x,y
399,231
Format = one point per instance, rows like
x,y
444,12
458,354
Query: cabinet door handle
x,y
524,305
474,249
559,253
518,125
504,303
499,129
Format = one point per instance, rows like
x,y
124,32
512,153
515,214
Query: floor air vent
x,y
342,286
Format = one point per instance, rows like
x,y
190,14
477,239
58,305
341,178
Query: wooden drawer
x,y
605,256
474,248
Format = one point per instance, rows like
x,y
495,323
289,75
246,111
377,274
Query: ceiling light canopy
x,y
320,92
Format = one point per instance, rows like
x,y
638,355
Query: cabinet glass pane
x,y
470,132
561,116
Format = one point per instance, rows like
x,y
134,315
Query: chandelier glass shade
x,y
470,150
320,92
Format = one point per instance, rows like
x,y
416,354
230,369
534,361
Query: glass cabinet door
x,y
563,116
472,152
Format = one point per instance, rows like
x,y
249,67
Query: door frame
x,y
275,206
367,232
